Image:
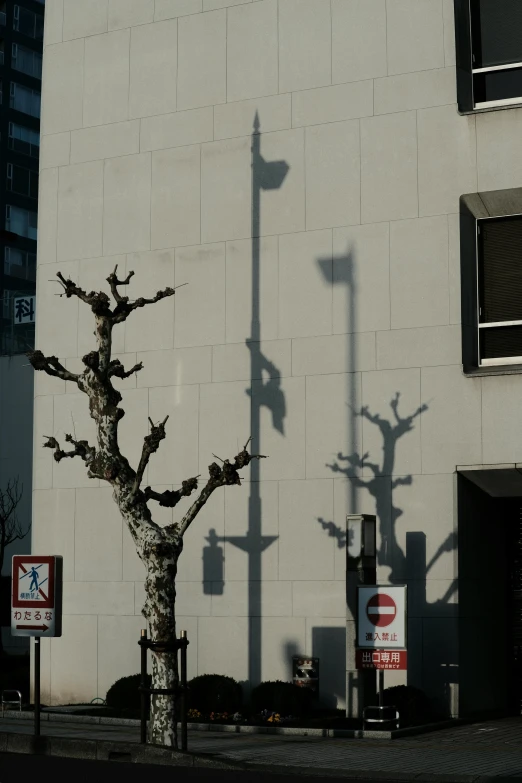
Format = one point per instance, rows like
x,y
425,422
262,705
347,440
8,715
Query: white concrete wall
x,y
147,110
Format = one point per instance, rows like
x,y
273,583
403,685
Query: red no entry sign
x,y
381,610
381,617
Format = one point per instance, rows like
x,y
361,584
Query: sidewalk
x,y
474,752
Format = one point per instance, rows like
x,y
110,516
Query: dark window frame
x,y
481,88
476,211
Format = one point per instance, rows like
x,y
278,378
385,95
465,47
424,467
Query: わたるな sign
x,y
36,595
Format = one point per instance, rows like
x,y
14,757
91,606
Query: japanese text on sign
x,y
24,310
381,659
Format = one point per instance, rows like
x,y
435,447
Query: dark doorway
x,y
514,589
490,601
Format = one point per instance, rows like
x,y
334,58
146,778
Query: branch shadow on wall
x,y
265,391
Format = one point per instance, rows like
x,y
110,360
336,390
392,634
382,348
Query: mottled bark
x,y
158,547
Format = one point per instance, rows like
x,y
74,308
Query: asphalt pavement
x,y
473,753
15,767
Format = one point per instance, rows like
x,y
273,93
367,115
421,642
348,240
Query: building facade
x,y
309,169
21,44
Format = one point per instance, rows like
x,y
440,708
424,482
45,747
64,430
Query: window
x,y
26,61
21,180
489,53
21,221
24,140
19,263
491,266
24,99
28,23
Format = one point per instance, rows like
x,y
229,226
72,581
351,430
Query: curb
x,y
240,729
102,750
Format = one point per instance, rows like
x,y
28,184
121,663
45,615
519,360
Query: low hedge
x,y
214,693
124,694
281,697
412,703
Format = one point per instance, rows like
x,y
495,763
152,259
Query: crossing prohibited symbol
x,y
381,610
36,595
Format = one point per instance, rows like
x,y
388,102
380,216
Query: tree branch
x,y
226,474
150,446
98,300
114,283
116,369
81,449
10,528
124,307
51,366
170,498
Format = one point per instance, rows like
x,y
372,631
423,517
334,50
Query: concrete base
x,y
240,729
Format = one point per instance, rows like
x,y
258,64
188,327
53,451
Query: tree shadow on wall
x,y
408,565
381,484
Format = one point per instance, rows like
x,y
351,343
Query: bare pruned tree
x,y
11,529
158,547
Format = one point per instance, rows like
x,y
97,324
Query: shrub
x,y
411,702
124,694
214,693
284,698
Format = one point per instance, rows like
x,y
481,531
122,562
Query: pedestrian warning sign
x,y
36,595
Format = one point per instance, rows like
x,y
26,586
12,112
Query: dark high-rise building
x,y
21,44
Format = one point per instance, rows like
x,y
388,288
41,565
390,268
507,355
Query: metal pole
x,y
143,694
37,686
184,694
381,688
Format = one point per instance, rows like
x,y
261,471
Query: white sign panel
x,y
381,617
24,309
36,595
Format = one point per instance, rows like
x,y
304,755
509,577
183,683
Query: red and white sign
x,y
381,659
381,610
381,617
36,595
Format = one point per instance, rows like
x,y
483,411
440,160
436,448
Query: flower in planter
x,y
193,714
274,718
237,717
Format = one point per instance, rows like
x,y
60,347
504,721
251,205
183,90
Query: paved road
x,y
489,749
16,767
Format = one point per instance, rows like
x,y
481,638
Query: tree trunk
x,y
159,610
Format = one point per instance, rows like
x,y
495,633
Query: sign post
x,y
36,607
381,632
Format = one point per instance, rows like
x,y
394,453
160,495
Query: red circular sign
x,y
381,610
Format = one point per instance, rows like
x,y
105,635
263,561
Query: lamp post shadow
x,y
265,391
